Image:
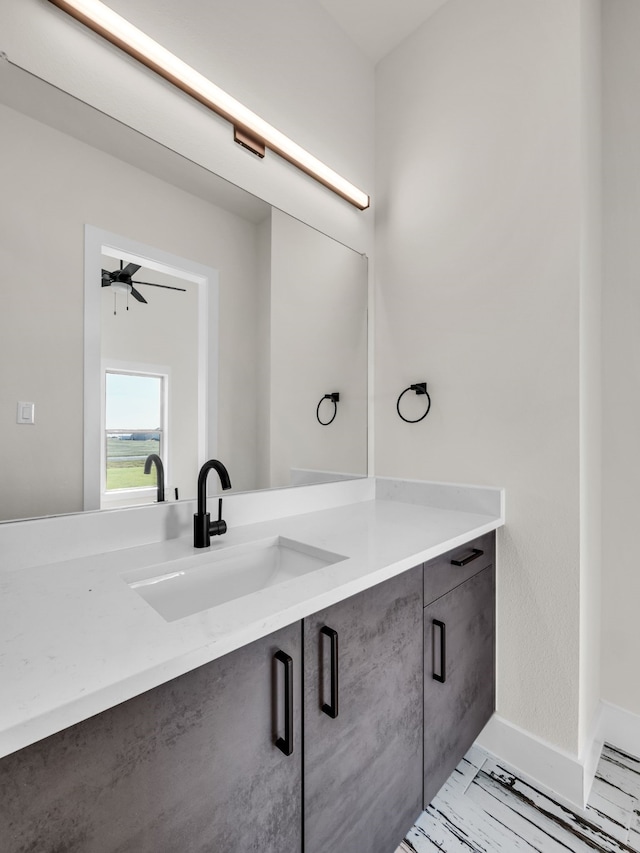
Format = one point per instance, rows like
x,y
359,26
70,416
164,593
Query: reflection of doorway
x,y
172,329
139,341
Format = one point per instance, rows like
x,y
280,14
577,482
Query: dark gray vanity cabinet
x,y
188,766
363,766
459,656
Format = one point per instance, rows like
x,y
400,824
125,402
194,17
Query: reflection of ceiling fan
x,y
121,281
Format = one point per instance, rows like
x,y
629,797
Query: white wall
x,y
590,369
479,271
318,345
263,425
286,59
621,343
51,186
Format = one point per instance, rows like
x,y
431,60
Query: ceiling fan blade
x,y
166,286
131,269
107,278
138,296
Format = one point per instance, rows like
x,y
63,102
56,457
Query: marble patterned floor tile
x,y
485,807
461,824
633,839
577,832
597,823
476,757
611,808
620,770
404,848
464,774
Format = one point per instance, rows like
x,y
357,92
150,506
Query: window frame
x,y
134,494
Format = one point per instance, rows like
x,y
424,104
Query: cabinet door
x,y
459,675
363,767
189,766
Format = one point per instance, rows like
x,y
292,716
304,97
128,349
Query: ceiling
x,y
377,26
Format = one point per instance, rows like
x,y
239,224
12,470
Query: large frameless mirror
x,y
249,320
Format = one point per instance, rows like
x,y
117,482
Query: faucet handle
x,y
217,528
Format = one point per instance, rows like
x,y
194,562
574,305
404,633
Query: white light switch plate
x,y
26,413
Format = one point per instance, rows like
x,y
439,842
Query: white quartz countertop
x,y
75,639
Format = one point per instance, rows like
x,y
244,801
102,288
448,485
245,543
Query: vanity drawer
x,y
441,576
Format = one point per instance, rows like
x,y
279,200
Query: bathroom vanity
x,y
307,721
276,692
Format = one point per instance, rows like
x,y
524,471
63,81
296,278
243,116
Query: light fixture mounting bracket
x,y
251,143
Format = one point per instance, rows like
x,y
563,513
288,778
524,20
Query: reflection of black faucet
x,y
203,527
151,459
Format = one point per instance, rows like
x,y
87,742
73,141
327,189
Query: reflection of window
x,y
135,415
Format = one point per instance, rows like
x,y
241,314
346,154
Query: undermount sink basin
x,y
196,583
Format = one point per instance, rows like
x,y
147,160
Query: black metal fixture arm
x,y
154,459
335,398
203,527
420,388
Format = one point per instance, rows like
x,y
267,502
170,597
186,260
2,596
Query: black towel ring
x,y
334,397
419,388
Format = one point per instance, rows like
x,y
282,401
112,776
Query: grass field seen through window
x,y
125,462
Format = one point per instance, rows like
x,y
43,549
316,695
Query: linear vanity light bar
x,y
250,128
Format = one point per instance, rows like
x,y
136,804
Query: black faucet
x,y
203,527
151,459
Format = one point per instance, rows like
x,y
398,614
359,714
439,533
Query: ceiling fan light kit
x,y
251,131
120,287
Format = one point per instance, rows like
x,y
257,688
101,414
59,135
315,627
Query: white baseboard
x,y
552,770
620,728
567,777
592,750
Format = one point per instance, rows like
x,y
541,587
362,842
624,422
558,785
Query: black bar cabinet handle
x,y
331,708
285,744
442,676
475,553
